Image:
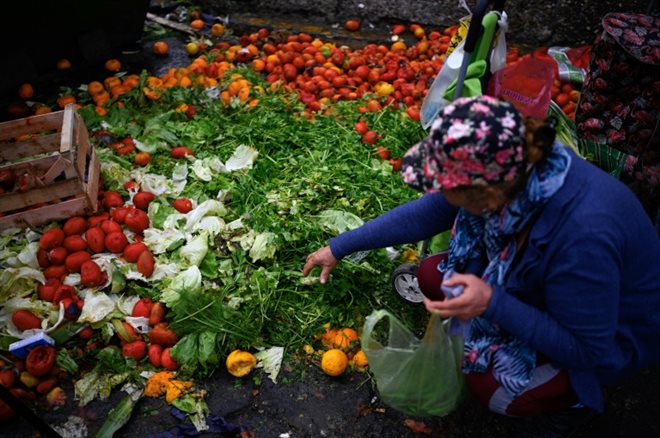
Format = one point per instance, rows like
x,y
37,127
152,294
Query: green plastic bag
x,y
416,377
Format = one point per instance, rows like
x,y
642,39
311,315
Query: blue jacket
x,y
585,291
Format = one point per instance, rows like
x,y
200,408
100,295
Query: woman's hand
x,y
321,257
472,302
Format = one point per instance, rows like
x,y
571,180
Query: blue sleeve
x,y
414,221
577,326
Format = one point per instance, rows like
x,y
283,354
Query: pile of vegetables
x,y
217,180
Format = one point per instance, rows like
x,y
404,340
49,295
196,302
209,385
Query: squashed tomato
x,y
40,360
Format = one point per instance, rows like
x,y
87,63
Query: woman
x,y
559,264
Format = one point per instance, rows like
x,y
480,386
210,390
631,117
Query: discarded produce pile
x,y
217,179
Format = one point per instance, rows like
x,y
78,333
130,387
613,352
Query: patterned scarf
x,y
495,235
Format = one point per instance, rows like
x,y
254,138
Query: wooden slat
x,y
41,165
83,148
67,128
91,184
30,125
61,189
23,149
60,165
46,214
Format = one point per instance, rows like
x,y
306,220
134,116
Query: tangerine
x,y
197,24
240,363
160,48
113,65
344,338
360,359
334,362
25,91
63,64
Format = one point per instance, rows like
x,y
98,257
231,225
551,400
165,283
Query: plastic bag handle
x,y
405,335
475,31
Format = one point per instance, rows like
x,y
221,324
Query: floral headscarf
x,y
476,141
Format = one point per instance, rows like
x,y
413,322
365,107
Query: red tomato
x,y
112,200
75,243
161,334
182,205
75,260
96,220
8,378
86,333
361,127
57,255
63,292
142,308
137,221
55,271
145,263
155,353
45,386
52,238
75,225
133,251
116,241
383,152
167,361
47,290
95,239
157,314
109,226
181,152
136,350
25,320
40,360
90,274
119,214
142,158
142,200
370,137
42,258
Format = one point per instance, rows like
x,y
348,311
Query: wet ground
x,y
307,403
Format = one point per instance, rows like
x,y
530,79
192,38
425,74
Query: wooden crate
x,y
56,168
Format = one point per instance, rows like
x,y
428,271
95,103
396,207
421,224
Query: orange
x,y
334,362
352,25
197,24
360,359
111,81
217,29
113,65
65,100
344,338
25,91
240,363
63,64
94,88
41,109
160,48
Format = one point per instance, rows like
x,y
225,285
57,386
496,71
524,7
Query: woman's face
x,y
477,200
